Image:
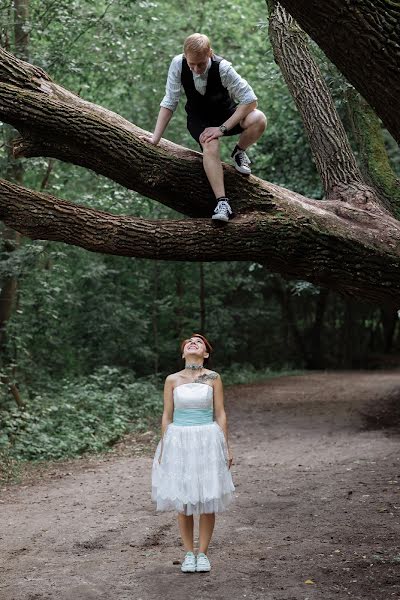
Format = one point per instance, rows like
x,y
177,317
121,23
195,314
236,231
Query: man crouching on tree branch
x,y
219,103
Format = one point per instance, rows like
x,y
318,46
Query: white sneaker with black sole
x,y
222,210
241,161
189,564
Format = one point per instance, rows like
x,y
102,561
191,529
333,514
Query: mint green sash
x,y
193,416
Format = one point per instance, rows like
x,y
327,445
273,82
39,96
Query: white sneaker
x,y
203,564
189,564
222,210
241,161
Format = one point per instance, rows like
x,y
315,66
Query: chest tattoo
x,y
206,377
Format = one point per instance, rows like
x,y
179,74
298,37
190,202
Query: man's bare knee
x,y
256,119
211,148
261,120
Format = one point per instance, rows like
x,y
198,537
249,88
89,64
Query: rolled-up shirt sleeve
x,y
173,86
239,90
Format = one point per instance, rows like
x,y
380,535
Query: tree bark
x,y
362,39
333,156
331,150
315,245
374,160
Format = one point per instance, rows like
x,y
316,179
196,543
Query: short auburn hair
x,y
197,43
205,340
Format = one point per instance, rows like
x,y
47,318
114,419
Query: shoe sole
x,y
239,170
203,570
220,218
191,569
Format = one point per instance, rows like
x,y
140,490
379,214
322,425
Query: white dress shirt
x,y
238,88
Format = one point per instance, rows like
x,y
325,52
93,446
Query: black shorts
x,y
196,126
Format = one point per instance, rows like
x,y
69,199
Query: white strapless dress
x,y
193,476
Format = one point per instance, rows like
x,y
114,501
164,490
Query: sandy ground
x,y
315,516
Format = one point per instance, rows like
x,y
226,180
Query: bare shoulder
x,y
214,374
172,378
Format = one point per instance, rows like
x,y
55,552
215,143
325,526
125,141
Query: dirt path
x,y
317,498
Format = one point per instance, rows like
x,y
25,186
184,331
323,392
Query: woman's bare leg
x,y
206,528
186,529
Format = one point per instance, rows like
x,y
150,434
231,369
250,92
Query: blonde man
x,y
219,103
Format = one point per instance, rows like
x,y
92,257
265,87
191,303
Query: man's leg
x,y
213,167
254,125
215,175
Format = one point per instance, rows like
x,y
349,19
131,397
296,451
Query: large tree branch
x,y
56,123
340,244
362,38
299,239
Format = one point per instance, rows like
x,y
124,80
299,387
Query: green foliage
x,y
84,415
10,468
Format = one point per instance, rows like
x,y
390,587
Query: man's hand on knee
x,y
210,133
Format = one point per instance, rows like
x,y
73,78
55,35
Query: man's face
x,y
197,62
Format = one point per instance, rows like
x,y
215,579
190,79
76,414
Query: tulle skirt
x,y
193,476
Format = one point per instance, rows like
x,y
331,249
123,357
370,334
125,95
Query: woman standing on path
x,y
191,467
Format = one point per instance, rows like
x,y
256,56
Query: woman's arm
x,y
168,413
220,415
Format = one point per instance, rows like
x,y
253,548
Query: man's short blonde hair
x,y
197,43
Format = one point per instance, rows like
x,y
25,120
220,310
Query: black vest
x,y
216,102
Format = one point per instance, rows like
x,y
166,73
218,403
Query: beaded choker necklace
x,y
193,367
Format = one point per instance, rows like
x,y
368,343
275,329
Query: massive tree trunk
x,y
362,38
350,243
372,153
334,158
